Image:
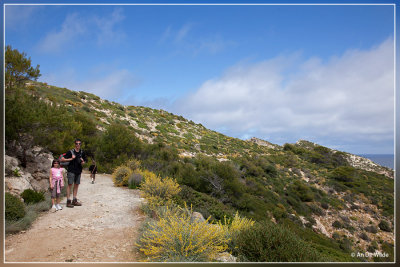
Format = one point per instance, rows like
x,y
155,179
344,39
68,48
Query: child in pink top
x,y
56,184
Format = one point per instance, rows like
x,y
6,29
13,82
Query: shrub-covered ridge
x,y
309,185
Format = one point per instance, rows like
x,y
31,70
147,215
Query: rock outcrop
x,y
34,175
261,142
354,160
369,165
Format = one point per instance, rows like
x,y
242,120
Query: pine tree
x,y
18,68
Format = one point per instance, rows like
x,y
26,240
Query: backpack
x,y
65,163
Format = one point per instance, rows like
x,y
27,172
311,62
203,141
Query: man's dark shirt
x,y
75,166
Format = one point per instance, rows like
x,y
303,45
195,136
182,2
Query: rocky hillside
x,y
27,169
354,160
152,125
337,201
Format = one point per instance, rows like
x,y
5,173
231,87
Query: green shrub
x,y
328,247
303,191
32,212
316,210
31,196
372,247
345,244
324,205
16,172
371,229
298,206
364,236
86,108
279,212
337,224
384,226
204,203
115,146
14,208
134,180
267,242
270,170
311,221
343,174
234,227
133,164
336,236
12,227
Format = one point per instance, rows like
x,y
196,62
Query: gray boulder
x,y
16,185
197,216
34,176
10,164
38,163
226,257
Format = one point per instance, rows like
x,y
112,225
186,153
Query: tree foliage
x,y
50,126
18,68
116,145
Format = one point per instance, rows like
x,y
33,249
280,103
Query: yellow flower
x,y
177,236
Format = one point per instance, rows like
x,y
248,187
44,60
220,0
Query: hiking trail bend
x,y
103,229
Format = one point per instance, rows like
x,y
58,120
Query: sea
x,y
386,160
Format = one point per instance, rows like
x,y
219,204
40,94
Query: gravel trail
x,y
103,229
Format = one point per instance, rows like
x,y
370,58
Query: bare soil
x,y
103,229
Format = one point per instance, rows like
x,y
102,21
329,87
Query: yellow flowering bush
x,y
176,237
235,227
158,191
133,164
238,224
121,175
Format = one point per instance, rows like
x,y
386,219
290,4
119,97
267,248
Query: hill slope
x,y
336,201
153,126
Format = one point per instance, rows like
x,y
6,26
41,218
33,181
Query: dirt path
x,y
103,229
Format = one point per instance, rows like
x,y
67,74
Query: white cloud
x,y
72,27
350,97
166,35
77,27
194,43
175,36
213,44
106,26
183,32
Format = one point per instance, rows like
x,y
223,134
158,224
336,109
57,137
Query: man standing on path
x,y
76,158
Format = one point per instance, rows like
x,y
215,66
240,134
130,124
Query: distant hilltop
x,y
354,160
261,142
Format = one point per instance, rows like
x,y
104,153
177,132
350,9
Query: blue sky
x,y
277,72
